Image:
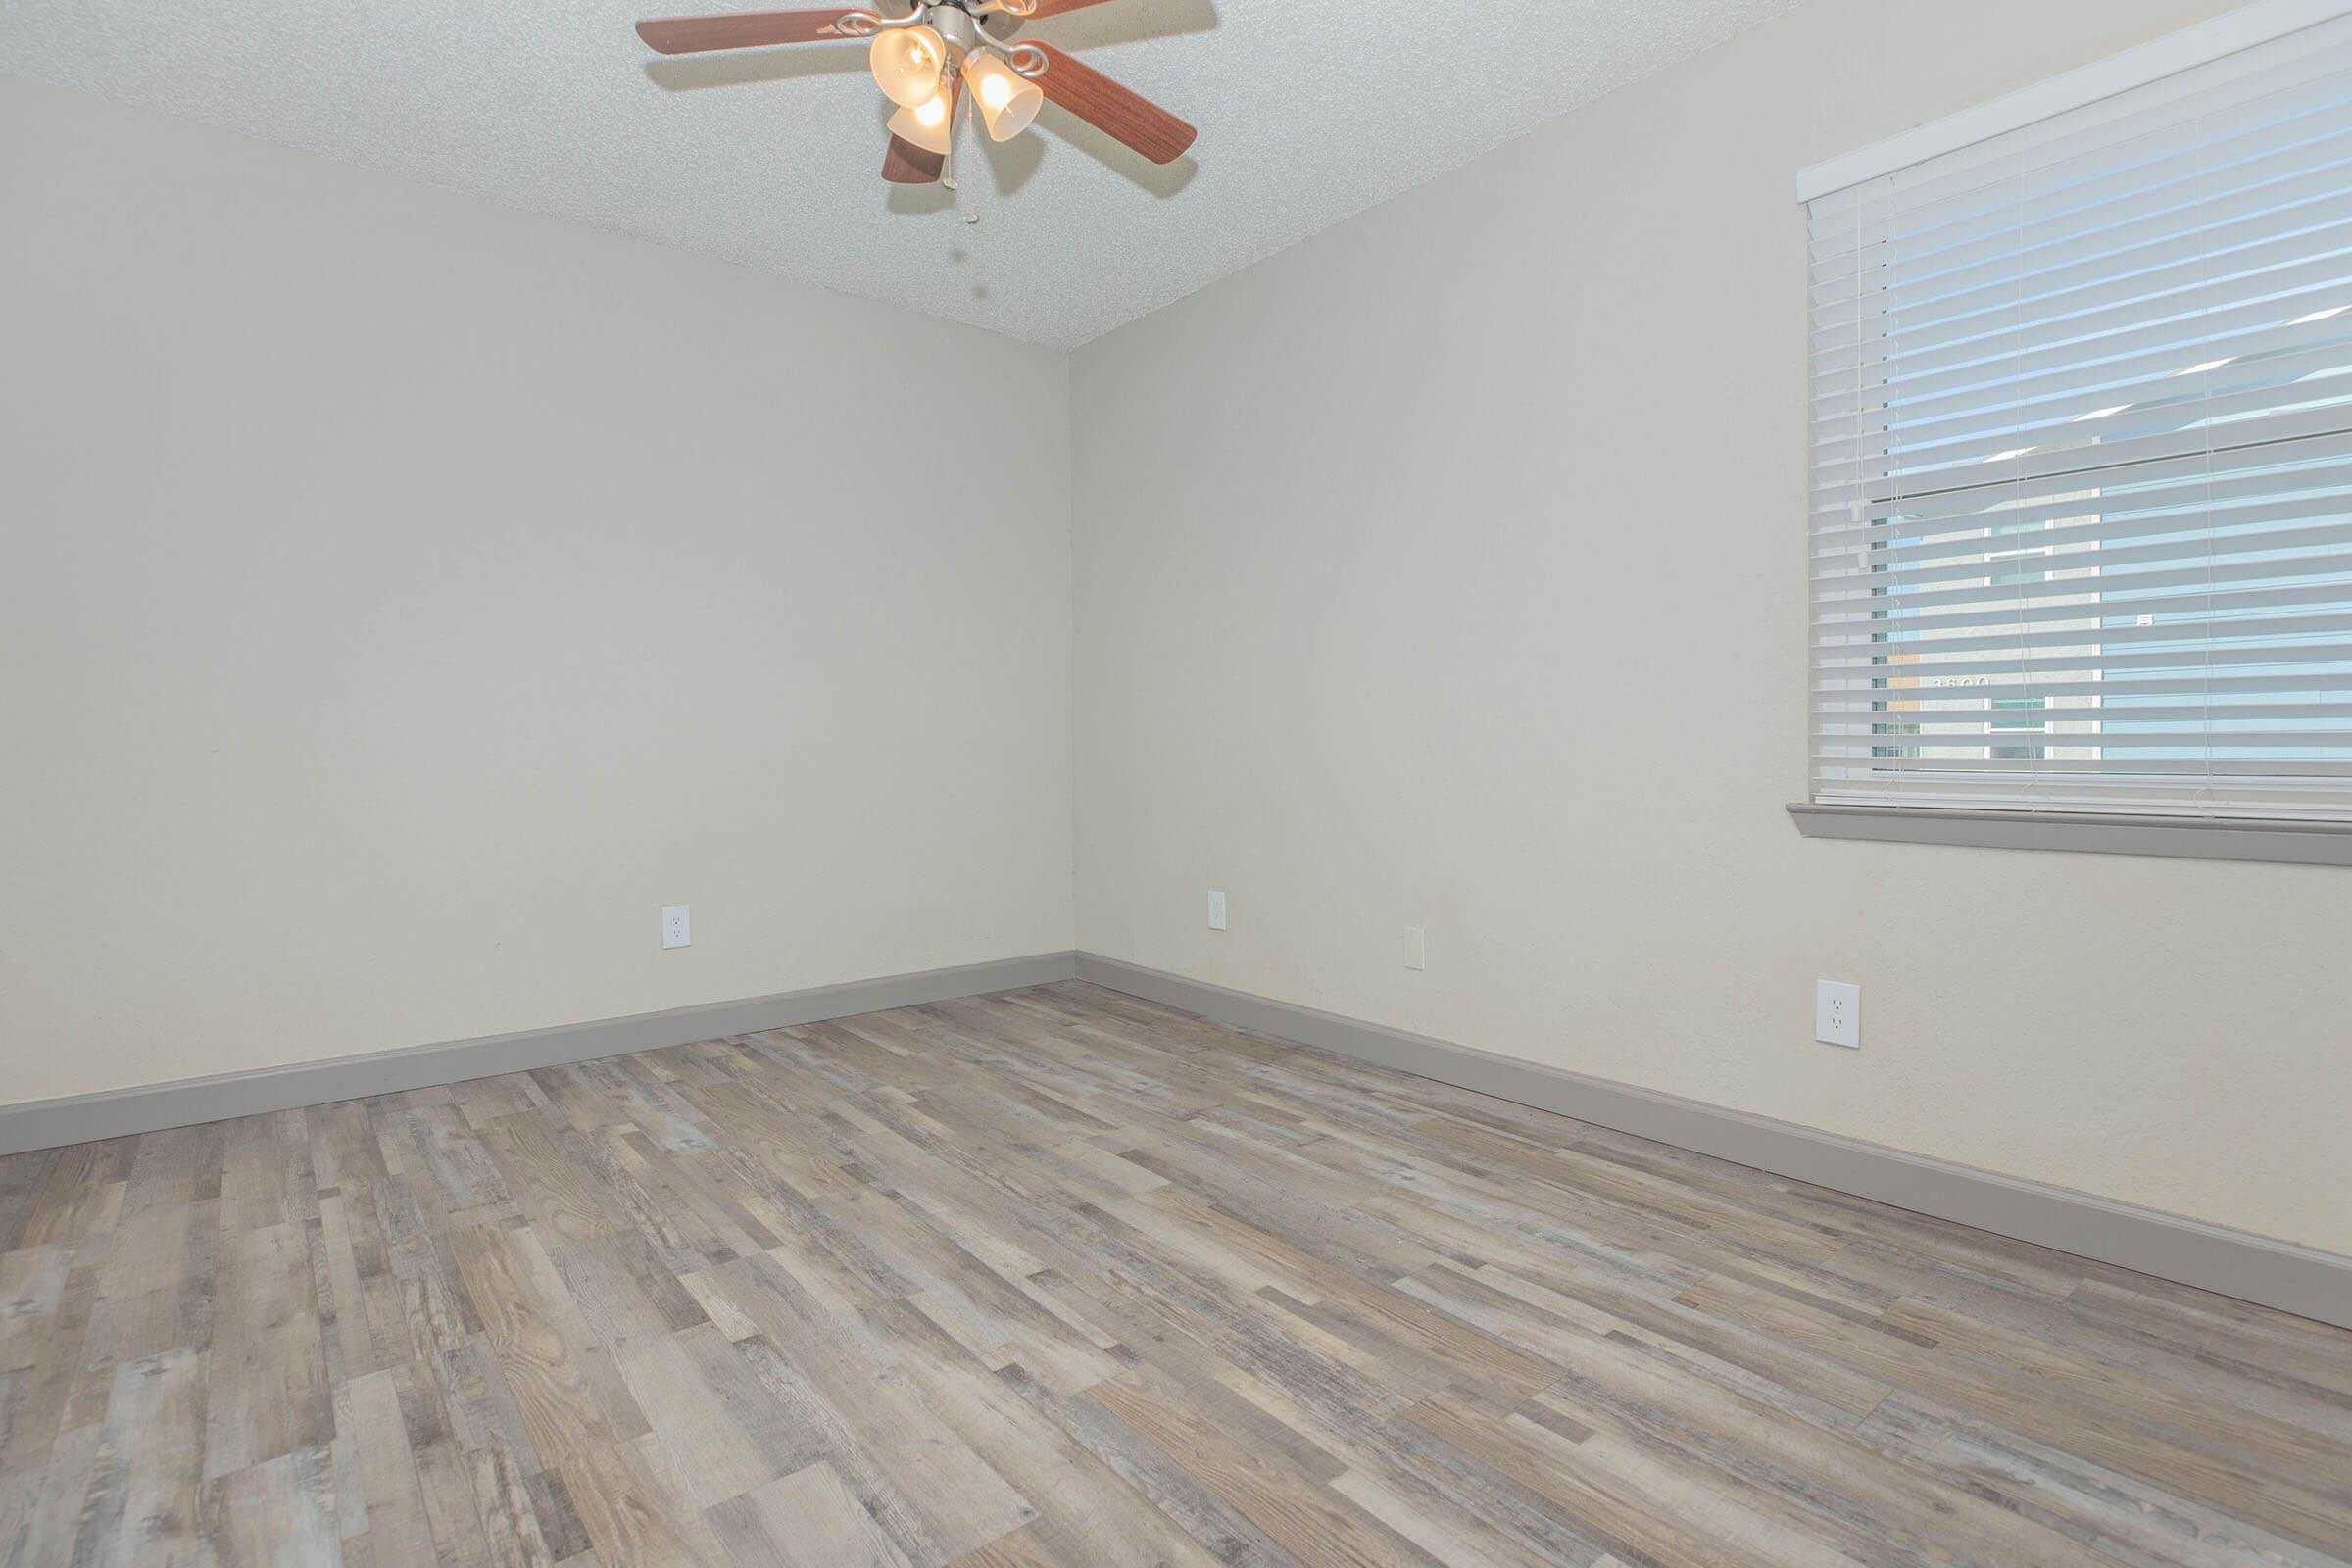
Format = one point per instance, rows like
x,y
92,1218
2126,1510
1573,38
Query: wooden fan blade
x,y
906,163
752,29
1055,8
1123,115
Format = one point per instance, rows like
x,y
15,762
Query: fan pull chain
x,y
970,117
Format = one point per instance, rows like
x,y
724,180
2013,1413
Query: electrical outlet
x,y
1838,1013
1216,912
1417,947
677,926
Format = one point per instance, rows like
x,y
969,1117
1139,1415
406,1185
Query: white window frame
x,y
2299,842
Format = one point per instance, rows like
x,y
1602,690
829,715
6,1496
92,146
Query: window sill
x,y
2196,838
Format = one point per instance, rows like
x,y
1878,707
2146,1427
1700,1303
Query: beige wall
x,y
1353,646
401,599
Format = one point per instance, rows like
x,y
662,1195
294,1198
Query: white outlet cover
x,y
1838,1013
1216,912
1417,947
677,926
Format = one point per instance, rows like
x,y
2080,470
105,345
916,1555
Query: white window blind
x,y
2081,469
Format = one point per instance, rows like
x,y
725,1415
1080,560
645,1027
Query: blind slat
x,y
2160,494
1854,346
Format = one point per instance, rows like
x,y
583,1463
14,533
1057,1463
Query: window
x,y
2082,463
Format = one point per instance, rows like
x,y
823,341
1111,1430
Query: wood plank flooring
x,y
1061,1278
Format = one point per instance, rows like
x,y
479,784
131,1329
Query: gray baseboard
x,y
150,1107
2255,1268
2302,1280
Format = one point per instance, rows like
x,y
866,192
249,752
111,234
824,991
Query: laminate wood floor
x,y
1058,1277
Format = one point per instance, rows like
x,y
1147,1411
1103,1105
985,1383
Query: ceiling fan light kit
x,y
924,63
1005,99
925,124
907,64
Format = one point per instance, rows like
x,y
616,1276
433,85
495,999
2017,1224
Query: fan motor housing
x,y
955,24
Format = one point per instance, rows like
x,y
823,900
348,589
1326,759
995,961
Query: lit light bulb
x,y
925,125
1007,100
907,63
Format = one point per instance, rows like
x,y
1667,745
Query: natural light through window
x,y
2082,457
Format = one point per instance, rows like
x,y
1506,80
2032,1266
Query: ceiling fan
x,y
925,60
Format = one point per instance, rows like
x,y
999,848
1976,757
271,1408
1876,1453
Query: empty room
x,y
1176,784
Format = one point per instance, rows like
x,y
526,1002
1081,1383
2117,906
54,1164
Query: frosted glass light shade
x,y
1007,100
925,124
906,62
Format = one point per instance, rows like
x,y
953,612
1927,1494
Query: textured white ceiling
x,y
1309,110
